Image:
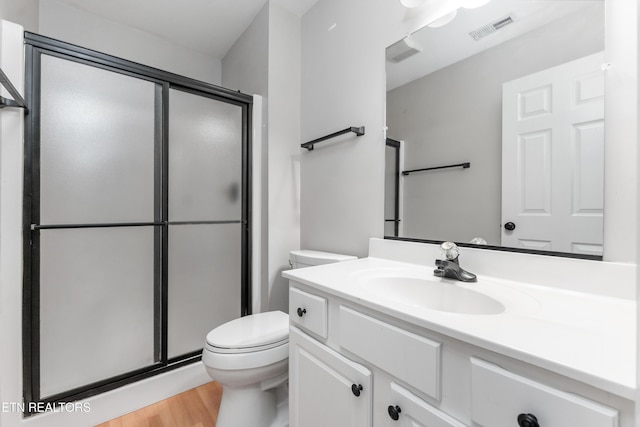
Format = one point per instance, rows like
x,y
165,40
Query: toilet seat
x,y
248,342
244,361
251,333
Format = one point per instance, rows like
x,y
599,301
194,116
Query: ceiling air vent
x,y
490,28
402,50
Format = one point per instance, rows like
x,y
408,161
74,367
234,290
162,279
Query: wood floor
x,y
197,407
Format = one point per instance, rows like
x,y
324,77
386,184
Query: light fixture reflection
x,y
472,4
412,3
443,20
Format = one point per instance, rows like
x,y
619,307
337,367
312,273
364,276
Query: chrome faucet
x,y
450,266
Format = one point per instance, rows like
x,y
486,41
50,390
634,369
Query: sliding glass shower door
x,y
136,219
96,174
205,213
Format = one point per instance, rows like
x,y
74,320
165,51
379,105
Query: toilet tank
x,y
307,258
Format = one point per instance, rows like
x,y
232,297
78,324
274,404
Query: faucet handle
x,y
449,250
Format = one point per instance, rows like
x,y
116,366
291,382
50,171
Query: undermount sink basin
x,y
432,294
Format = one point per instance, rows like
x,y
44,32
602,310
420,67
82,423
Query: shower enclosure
x,y
137,231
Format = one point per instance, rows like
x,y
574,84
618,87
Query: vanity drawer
x,y
410,410
410,358
308,311
498,397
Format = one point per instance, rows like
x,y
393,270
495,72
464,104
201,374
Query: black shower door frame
x,y
395,145
35,47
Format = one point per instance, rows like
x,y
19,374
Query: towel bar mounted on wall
x,y
462,165
359,131
17,100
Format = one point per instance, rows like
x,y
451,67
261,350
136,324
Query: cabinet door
x,y
325,388
408,410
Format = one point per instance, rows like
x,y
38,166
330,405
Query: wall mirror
x,y
496,128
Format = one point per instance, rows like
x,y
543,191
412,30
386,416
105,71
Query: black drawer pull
x,y
394,412
356,389
528,420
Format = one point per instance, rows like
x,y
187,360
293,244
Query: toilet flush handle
x,y
301,311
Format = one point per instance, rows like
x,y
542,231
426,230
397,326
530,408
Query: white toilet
x,y
249,356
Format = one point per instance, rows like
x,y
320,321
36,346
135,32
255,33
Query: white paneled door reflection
x,y
553,159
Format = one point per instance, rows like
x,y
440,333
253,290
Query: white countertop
x,y
587,337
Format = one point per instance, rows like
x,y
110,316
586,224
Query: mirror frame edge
x,y
504,249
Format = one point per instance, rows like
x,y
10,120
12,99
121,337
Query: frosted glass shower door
x,y
96,275
136,219
205,218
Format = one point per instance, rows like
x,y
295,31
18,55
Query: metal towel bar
x,y
462,165
359,131
17,101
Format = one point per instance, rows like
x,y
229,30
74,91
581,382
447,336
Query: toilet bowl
x,y
249,356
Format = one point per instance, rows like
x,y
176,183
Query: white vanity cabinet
x,y
334,376
351,365
327,389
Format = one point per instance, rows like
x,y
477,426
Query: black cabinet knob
x,y
528,420
356,389
510,226
301,311
394,412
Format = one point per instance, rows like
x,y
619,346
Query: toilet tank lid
x,y
255,330
307,256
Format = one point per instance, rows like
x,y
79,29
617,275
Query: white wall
x,y
284,149
245,67
266,60
621,131
637,118
437,204
63,22
11,166
343,84
24,12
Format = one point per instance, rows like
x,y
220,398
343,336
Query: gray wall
x,y
23,12
245,67
343,84
454,115
266,61
58,20
63,22
283,149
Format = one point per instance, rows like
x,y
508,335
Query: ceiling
x,y
206,26
451,43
